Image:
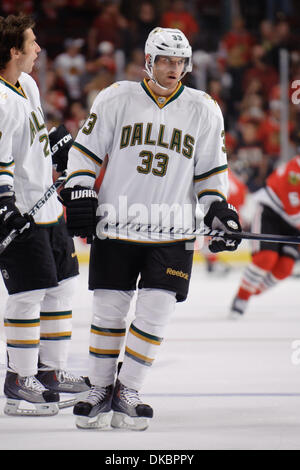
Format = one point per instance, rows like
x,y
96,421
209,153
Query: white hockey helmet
x,y
167,42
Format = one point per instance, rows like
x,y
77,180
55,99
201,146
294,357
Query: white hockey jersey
x,y
163,154
25,157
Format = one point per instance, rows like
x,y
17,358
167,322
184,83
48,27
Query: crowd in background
x,y
89,44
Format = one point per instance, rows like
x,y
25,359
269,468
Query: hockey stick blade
x,y
40,203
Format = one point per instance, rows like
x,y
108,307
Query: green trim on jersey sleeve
x,y
208,174
81,148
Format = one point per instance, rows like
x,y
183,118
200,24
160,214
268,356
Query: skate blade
x,y
123,421
234,316
66,403
14,408
101,421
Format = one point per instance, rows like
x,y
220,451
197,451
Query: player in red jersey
x,y
278,212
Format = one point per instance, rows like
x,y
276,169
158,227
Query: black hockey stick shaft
x,y
271,238
264,237
37,206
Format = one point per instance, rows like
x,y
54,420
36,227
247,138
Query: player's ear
x,y
15,53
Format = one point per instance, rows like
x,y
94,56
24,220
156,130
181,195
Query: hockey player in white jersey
x,y
39,267
165,147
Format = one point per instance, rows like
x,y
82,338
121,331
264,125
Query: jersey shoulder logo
x,y
294,178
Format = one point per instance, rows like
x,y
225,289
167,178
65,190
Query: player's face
x,y
168,70
29,53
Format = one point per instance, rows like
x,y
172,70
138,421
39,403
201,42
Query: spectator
x,y
70,66
9,7
260,70
238,43
248,159
216,92
77,16
252,105
236,47
269,132
178,17
105,60
283,39
75,119
275,7
135,69
50,28
266,35
98,83
144,23
55,99
107,26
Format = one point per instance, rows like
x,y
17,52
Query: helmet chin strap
x,y
158,84
151,76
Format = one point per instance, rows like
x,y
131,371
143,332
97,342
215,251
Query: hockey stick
x,y
40,203
271,238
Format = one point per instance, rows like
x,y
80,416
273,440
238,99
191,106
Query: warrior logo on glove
x,y
81,206
83,193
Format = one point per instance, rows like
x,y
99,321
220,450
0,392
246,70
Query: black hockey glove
x,y
223,216
11,218
81,206
60,143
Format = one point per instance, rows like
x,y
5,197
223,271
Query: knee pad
x,y
110,307
283,268
25,304
60,298
265,259
153,309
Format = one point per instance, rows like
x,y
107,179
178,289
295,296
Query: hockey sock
x,y
56,324
108,330
22,329
282,269
153,310
254,274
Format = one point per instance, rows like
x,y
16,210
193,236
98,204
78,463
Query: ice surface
x,y
217,384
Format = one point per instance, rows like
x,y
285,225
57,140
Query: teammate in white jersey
x,y
39,267
166,153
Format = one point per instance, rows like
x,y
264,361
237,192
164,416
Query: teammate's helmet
x,y
167,42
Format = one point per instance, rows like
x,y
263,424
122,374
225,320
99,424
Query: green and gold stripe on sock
x,y
63,335
62,315
16,323
140,358
104,353
23,344
97,330
145,336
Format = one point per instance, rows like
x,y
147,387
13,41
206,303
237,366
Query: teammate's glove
x,y
223,216
81,206
11,218
60,144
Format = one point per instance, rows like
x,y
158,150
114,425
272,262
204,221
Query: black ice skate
x,y
39,400
64,382
129,411
94,411
238,308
